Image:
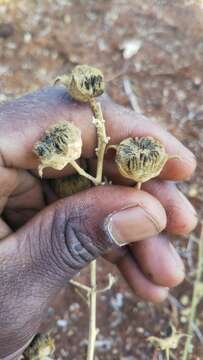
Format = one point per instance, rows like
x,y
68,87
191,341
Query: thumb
x,y
62,239
72,232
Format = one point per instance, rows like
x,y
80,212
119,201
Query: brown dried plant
x,y
41,348
138,159
168,343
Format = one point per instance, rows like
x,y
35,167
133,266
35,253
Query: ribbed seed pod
x,y
140,159
41,348
61,144
84,83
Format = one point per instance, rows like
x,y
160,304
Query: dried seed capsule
x,y
140,159
84,83
61,144
42,347
70,185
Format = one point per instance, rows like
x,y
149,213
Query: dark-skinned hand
x,y
44,243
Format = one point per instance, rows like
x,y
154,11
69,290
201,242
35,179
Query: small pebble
x,y
193,190
183,320
104,344
140,330
27,38
64,353
117,301
62,323
74,307
184,300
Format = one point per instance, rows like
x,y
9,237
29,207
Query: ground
x,y
156,48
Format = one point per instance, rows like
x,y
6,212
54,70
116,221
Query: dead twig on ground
x,y
196,296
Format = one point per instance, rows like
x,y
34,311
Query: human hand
x,y
52,243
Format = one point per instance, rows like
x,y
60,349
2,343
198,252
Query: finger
x,y
25,120
181,215
63,238
24,197
115,255
112,173
140,285
20,187
159,261
126,217
125,123
4,229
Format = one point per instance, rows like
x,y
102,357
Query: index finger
x,y
24,120
123,123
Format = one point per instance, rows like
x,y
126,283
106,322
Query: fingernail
x,y
131,224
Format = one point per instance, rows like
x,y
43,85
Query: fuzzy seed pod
x,y
84,83
41,348
61,144
140,159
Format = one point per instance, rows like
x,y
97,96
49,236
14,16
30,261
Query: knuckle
x,y
71,245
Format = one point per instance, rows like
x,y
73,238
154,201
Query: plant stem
x,y
167,354
138,185
92,319
81,286
82,172
99,122
103,140
195,297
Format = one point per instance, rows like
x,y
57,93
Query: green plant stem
x,y
195,297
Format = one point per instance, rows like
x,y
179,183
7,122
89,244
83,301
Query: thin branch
x,y
83,297
103,140
174,301
112,281
198,333
195,297
189,253
131,95
92,321
82,172
80,285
